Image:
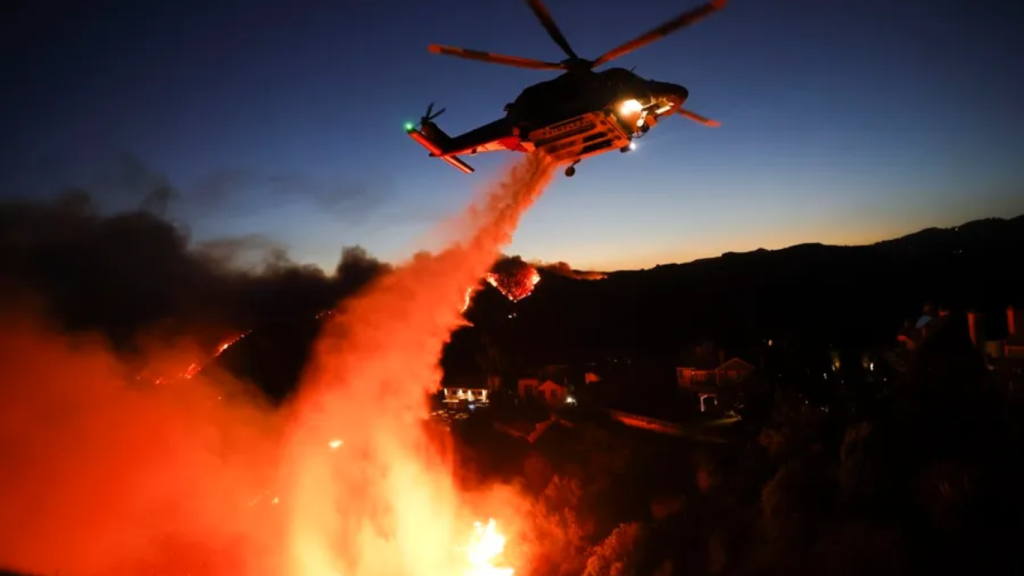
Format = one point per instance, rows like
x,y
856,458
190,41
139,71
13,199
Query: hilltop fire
x,y
514,278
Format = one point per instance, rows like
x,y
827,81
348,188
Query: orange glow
x,y
236,487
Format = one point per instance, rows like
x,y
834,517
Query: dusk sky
x,y
843,121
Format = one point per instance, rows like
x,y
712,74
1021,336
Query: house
x,y
553,393
547,391
698,365
454,396
702,373
997,352
527,387
1001,354
1012,346
911,336
473,390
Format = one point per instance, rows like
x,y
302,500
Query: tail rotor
x,y
429,116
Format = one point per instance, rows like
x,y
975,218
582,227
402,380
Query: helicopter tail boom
x,y
435,150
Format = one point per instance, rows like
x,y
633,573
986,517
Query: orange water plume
x,y
385,504
103,476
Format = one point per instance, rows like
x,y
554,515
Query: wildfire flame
x,y
514,278
193,367
485,549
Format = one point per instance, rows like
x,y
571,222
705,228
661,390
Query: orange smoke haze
x,y
103,474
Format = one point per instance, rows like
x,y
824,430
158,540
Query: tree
x,y
619,554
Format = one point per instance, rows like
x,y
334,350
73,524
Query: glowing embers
x,y
484,551
514,278
468,299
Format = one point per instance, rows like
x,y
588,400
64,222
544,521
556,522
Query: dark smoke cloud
x,y
129,181
510,265
559,268
563,269
124,181
134,273
252,252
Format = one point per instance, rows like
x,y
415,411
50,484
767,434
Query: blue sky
x,y
844,121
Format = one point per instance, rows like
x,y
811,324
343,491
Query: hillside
x,y
809,293
806,295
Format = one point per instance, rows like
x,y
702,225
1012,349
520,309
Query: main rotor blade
x,y
685,19
698,118
493,58
542,14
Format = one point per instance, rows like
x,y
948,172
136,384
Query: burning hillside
x,y
514,278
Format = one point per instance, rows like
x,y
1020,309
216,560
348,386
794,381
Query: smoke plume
x,y
511,264
563,269
134,273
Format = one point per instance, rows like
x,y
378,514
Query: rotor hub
x,y
577,64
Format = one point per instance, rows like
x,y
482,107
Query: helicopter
x,y
579,114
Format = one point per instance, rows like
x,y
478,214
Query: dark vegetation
x,y
924,477
925,480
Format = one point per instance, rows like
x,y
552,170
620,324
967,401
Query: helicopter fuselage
x,y
574,93
568,118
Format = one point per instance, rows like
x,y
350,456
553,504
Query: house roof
x,y
736,363
550,384
471,381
